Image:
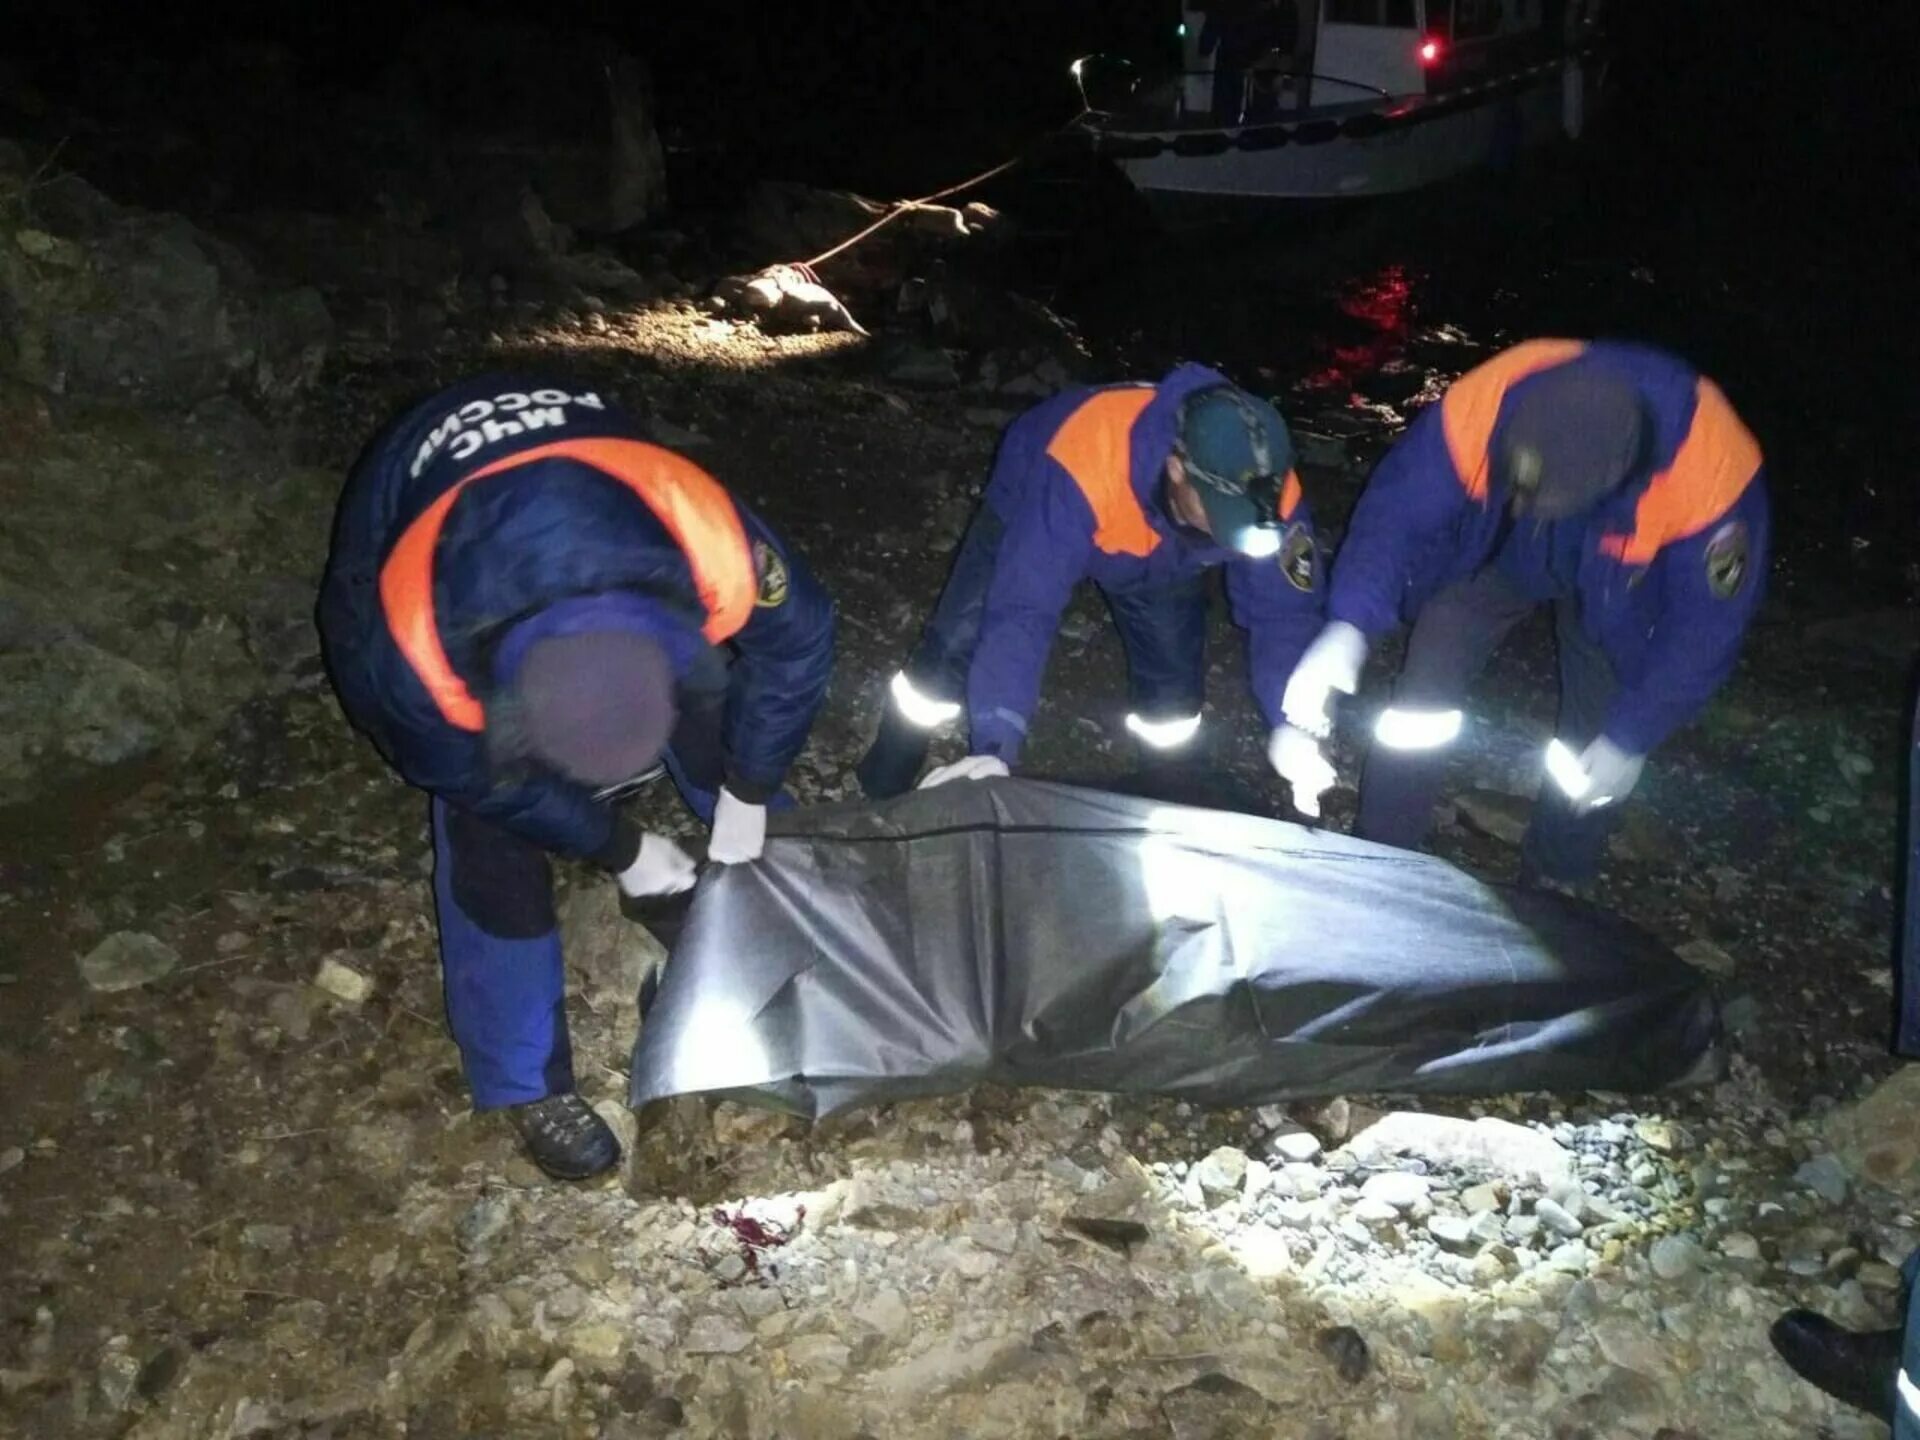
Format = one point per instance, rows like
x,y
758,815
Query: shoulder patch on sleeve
x,y
772,573
1297,561
1727,560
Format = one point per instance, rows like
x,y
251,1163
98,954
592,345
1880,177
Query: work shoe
x,y
892,763
1857,1367
565,1138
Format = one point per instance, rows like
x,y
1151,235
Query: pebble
x,y
1453,1232
274,1239
1296,1147
1557,1218
1477,1199
485,1219
1572,1258
126,960
1373,1211
342,981
1522,1228
1658,1135
1826,1177
1740,1246
1675,1256
11,1158
1304,1181
1397,1188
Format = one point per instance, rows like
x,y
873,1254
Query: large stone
x,y
106,302
1487,1145
1878,1138
1221,1175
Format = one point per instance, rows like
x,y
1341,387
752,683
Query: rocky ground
x,y
241,1192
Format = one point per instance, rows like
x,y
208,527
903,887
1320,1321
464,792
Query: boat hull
x,y
1387,153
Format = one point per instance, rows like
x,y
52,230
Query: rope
x,y
905,207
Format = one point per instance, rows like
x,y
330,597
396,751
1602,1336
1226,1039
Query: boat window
x,y
1400,14
1353,12
1476,19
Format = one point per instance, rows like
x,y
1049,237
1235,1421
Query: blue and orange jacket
x,y
1076,484
1669,571
513,506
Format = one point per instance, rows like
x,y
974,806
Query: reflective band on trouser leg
x,y
1165,734
1399,729
919,707
1565,770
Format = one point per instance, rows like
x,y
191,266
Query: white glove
x,y
1296,758
739,830
661,868
974,767
1332,662
1604,774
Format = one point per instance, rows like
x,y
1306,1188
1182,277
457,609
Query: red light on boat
x,y
1429,52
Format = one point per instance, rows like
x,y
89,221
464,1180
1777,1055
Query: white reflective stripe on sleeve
x,y
1909,1394
919,709
1417,729
1165,734
1565,770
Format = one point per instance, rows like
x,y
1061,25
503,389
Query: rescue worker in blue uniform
x,y
528,605
1609,479
1142,488
1876,1370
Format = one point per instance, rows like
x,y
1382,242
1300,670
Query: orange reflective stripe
x,y
696,511
1471,406
1289,495
1094,446
406,595
1710,472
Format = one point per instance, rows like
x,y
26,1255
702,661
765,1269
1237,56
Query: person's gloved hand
x,y
1603,774
1296,758
974,767
739,830
661,868
1332,662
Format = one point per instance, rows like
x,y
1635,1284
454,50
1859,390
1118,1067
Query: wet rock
x,y
343,982
1346,1351
1487,1145
127,960
1674,1257
273,1239
1826,1176
1739,1245
1661,1136
11,1158
118,1377
1221,1174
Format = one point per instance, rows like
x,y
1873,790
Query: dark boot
x,y
565,1138
1857,1367
892,763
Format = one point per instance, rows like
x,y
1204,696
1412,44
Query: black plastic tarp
x,y
1038,934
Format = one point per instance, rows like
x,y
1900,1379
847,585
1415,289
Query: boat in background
x,y
1332,99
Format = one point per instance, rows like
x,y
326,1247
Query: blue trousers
x,y
1163,630
1452,639
500,958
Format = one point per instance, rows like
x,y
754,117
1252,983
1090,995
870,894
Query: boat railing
x,y
1117,96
